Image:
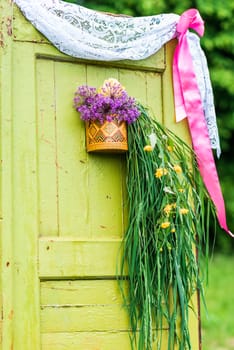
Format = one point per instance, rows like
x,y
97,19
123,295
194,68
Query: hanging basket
x,y
107,137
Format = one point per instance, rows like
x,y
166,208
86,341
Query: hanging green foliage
x,y
168,229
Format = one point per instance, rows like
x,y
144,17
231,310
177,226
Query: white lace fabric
x,y
88,34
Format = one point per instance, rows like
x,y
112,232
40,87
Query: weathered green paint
x,y
63,211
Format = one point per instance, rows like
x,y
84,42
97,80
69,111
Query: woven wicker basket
x,y
106,137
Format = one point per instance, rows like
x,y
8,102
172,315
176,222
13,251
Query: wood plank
x,y
154,63
73,258
106,204
86,341
106,172
83,306
154,95
47,149
25,205
92,341
84,318
80,292
72,166
135,83
96,75
6,174
146,87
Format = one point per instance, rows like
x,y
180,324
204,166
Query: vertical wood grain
x,y
46,148
6,191
71,164
105,178
25,209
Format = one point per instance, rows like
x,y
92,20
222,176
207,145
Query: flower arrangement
x,y
167,223
167,228
111,101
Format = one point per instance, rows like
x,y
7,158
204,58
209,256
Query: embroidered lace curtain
x,y
87,34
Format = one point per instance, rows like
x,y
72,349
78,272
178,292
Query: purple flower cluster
x,y
108,103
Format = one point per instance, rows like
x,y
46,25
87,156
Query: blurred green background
x,y
218,44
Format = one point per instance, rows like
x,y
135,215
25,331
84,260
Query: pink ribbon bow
x,y
188,104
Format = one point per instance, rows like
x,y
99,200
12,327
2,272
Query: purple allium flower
x,y
110,102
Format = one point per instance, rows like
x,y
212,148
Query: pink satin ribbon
x,y
188,104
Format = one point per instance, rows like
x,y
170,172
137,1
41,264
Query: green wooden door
x,y
66,210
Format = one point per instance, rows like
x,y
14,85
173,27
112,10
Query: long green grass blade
x,y
168,224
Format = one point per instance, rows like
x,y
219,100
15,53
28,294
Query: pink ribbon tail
x,y
188,103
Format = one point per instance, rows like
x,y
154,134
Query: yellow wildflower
x,y
184,211
160,172
181,190
173,230
167,209
148,148
165,224
177,169
170,148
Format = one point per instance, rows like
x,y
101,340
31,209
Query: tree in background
x,y
218,44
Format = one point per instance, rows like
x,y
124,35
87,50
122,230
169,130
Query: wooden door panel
x,y
86,197
88,314
80,195
64,211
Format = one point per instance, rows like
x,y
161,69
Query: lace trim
x,y
88,34
205,88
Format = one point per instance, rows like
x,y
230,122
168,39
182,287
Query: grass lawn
x,y
218,326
